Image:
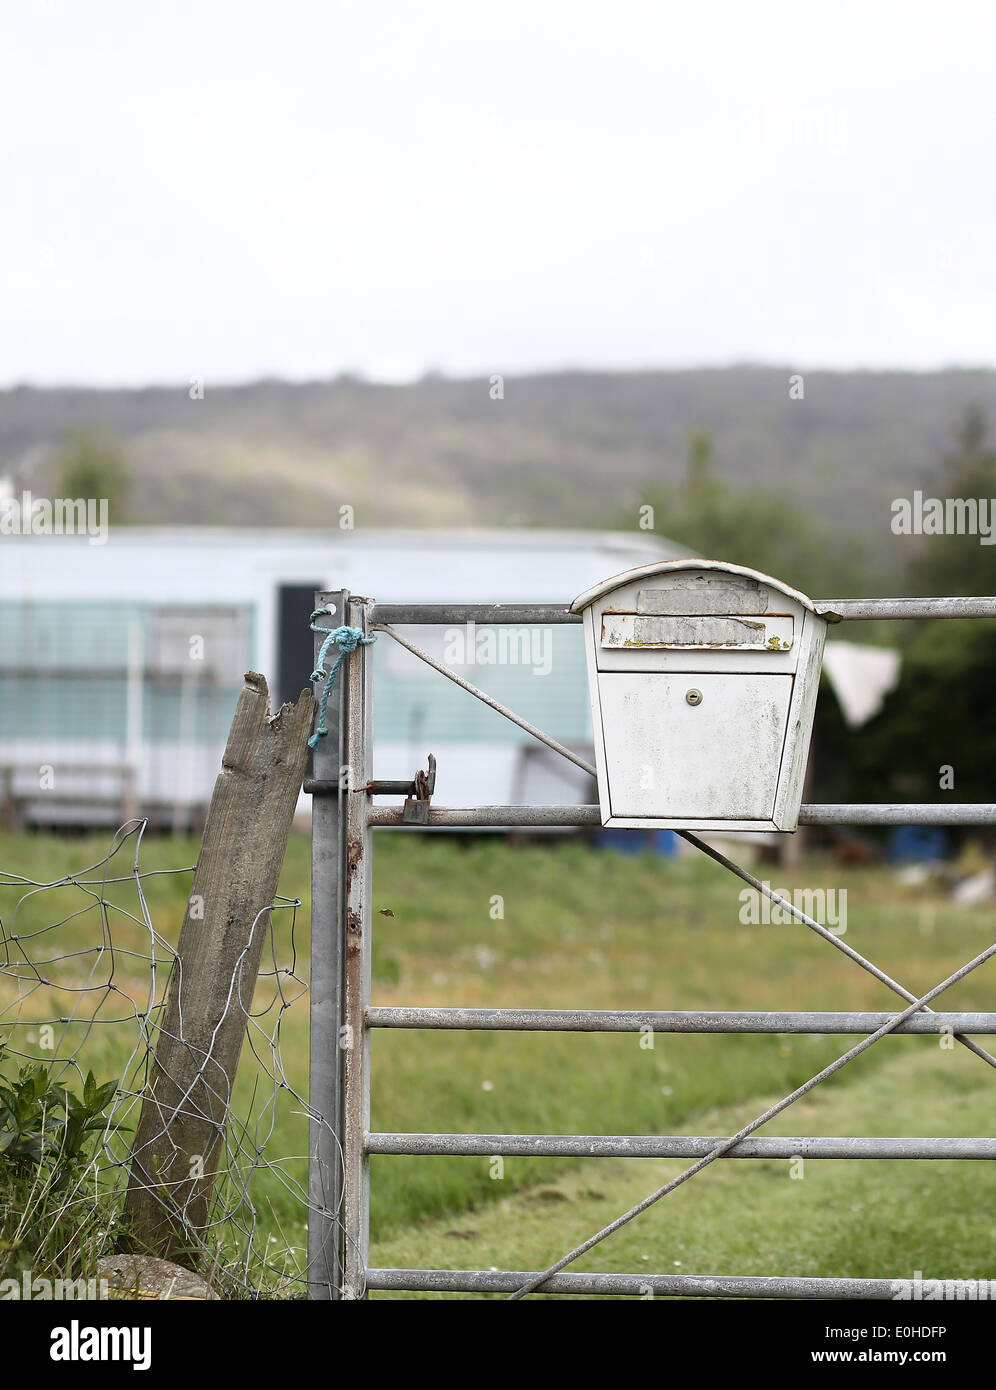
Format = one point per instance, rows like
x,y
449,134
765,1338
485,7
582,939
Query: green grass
x,y
586,929
874,1219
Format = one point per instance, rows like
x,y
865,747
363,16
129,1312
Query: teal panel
x,y
545,683
91,635
424,704
206,719
63,675
42,707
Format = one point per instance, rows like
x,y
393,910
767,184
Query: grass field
x,y
593,929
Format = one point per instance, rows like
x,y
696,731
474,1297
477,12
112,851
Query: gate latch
x,y
416,808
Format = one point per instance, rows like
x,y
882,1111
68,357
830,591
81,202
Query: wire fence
x,y
84,975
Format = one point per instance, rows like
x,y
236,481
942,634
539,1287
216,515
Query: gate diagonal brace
x,y
815,926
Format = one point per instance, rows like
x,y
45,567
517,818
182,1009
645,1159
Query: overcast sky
x,y
233,189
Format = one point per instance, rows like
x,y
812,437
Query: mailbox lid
x,y
715,578
666,758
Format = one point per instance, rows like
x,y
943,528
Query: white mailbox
x,y
703,679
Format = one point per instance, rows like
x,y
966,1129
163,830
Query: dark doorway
x,y
296,641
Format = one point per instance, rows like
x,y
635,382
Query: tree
x,y
941,713
753,526
953,564
92,464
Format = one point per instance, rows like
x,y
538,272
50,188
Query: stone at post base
x,y
147,1277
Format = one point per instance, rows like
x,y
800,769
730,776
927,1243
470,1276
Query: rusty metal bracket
x,y
416,808
418,791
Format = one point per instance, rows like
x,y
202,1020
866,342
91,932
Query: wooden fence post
x,y
179,1141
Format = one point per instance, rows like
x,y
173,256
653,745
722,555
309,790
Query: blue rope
x,y
347,639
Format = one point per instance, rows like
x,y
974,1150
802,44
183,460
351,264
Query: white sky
x,y
230,189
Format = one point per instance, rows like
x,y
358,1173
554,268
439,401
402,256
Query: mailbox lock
x,y
693,696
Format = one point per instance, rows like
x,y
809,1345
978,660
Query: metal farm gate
x,y
342,1017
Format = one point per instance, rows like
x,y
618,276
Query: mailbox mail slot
x,y
703,680
705,633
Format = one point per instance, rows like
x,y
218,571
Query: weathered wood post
x,y
179,1141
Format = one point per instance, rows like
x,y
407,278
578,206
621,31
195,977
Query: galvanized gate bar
x,y
355,1040
668,1021
846,813
630,1285
862,609
444,614
325,1105
847,609
674,1146
497,817
896,813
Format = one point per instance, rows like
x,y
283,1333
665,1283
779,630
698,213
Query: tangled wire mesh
x,y
84,978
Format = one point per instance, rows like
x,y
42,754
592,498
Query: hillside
x,y
574,448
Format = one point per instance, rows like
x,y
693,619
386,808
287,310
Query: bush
x,y
55,1212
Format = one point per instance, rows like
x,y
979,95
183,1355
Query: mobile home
x,y
120,663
